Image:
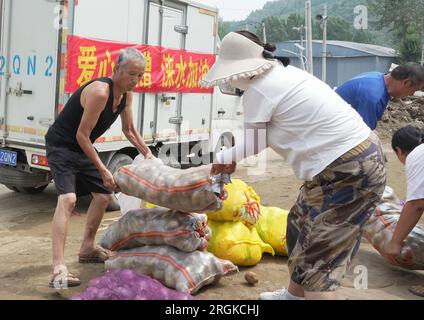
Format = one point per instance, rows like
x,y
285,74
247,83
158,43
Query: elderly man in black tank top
x,y
90,111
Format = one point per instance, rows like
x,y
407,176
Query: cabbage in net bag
x,y
241,204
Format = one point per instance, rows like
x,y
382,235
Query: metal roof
x,y
340,49
364,47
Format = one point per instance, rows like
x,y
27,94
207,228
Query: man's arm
x,y
410,215
93,100
130,131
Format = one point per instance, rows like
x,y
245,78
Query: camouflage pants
x,y
325,225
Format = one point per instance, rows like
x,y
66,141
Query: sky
x,y
234,9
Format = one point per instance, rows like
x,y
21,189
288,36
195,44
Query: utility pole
x,y
301,45
422,54
309,49
324,44
322,19
264,31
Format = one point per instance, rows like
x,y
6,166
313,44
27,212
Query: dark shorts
x,y
324,227
73,172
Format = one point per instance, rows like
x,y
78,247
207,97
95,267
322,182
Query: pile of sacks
x,y
243,229
167,242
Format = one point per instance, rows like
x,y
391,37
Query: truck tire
x,y
13,188
14,178
118,160
32,190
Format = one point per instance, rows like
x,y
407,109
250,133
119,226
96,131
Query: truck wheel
x,y
32,190
118,160
13,188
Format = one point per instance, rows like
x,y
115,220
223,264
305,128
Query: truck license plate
x,y
8,157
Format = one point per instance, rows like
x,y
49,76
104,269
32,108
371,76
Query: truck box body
x,y
35,65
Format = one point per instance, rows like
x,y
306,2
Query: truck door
x,y
161,31
30,59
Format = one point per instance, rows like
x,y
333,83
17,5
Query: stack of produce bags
x,y
168,242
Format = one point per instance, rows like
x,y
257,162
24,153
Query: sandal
x,y
98,255
62,279
417,290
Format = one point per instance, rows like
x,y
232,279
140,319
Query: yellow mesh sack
x,y
242,204
271,228
237,242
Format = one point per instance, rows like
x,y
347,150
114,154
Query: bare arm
x,y
93,100
130,131
410,215
254,142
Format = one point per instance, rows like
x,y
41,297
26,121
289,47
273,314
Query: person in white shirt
x,y
328,146
408,144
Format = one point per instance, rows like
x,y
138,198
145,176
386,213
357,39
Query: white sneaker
x,y
281,294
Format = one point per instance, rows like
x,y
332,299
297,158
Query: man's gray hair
x,y
412,71
130,54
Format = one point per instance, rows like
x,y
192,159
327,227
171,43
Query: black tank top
x,y
64,130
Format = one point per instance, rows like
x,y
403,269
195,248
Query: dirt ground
x,y
25,248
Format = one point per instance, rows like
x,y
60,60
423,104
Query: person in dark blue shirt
x,y
369,93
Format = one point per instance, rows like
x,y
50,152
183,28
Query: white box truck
x,y
33,75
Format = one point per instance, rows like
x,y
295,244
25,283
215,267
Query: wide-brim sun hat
x,y
239,58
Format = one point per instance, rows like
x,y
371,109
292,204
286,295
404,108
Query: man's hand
x,y
108,181
392,251
149,155
223,168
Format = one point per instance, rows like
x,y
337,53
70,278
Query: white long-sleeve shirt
x,y
306,122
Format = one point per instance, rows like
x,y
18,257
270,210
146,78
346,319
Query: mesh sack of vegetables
x,y
129,285
182,271
241,204
380,228
157,226
188,190
237,242
271,227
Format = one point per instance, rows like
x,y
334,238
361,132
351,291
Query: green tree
x,y
410,47
275,29
224,27
405,19
291,24
362,36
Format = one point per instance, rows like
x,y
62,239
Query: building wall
x,y
342,63
339,70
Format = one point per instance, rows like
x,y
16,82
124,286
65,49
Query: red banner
x,y
167,70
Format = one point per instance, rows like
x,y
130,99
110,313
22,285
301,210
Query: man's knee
x,y
67,201
101,198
